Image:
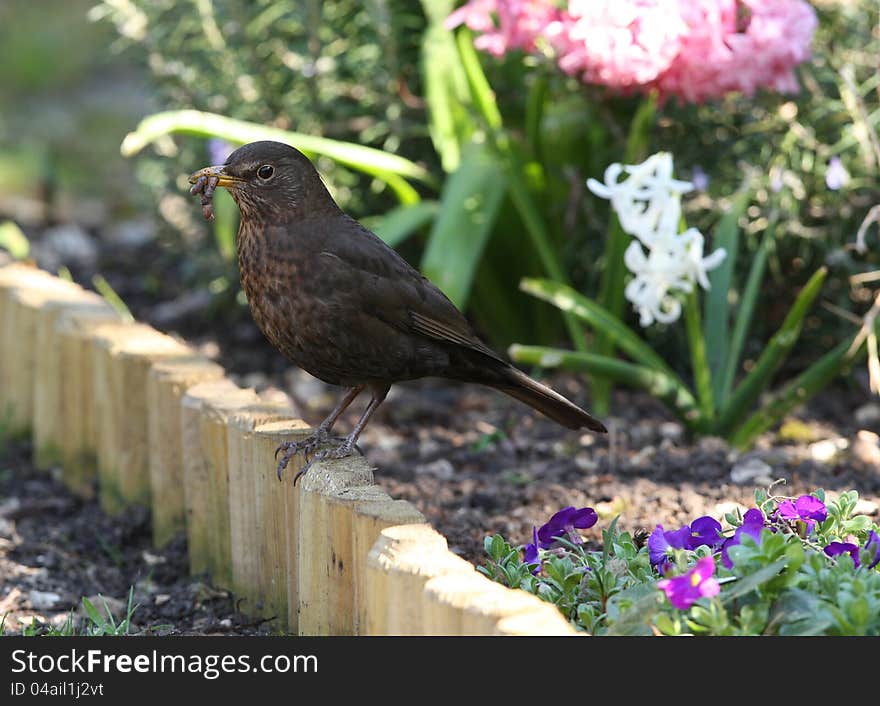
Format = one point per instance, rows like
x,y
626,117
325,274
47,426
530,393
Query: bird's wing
x,y
399,294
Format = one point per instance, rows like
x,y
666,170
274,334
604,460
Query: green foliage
x,y
783,584
468,206
387,75
714,406
96,622
13,240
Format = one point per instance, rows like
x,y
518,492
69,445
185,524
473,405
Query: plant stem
x,y
699,359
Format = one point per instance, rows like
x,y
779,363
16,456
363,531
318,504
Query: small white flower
x,y
648,205
657,275
698,266
648,200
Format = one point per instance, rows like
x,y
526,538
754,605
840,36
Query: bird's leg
x,y
350,443
320,436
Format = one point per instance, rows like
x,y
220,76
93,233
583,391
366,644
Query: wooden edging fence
x,y
147,421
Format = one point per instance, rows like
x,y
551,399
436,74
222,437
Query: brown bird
x,y
342,305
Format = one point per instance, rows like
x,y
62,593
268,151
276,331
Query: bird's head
x,y
270,179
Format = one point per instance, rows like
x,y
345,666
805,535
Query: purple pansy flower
x,y
872,545
565,522
753,523
698,582
838,548
660,543
531,554
806,509
704,531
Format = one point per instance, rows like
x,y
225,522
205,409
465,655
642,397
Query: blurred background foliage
x,y
384,73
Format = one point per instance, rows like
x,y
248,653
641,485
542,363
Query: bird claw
x,y
309,447
344,450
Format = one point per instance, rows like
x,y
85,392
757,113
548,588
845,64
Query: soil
x,y
471,460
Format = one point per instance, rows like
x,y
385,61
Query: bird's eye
x,y
266,171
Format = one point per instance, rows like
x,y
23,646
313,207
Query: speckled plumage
x,y
341,304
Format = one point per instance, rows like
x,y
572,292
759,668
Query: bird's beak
x,y
223,178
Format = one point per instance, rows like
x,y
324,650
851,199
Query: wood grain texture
x,y
167,382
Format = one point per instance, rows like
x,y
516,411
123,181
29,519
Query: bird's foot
x,y
308,447
344,450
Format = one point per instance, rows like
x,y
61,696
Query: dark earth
x,y
473,461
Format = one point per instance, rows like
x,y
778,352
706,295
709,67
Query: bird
x,y
341,304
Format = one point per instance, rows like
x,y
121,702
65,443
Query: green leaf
x,y
744,316
92,612
773,355
515,169
481,91
447,93
798,391
13,240
399,223
387,167
603,321
225,224
753,581
468,208
720,280
699,359
662,386
113,299
798,612
632,611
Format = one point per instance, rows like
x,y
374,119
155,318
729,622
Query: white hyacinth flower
x,y
648,205
648,200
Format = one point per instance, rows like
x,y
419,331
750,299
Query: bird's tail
x,y
550,403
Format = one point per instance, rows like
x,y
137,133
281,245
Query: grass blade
x,y
13,240
798,391
717,318
744,316
699,358
773,355
567,299
660,385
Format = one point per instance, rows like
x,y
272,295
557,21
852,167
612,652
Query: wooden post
x,y
49,423
22,312
545,620
13,277
403,559
204,410
245,520
276,512
447,597
108,409
74,330
373,512
471,604
167,382
326,559
123,358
